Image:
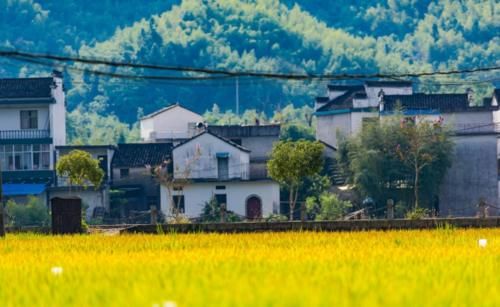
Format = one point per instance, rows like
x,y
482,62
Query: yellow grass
x,y
398,268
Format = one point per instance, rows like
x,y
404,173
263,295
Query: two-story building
x,y
473,176
218,168
32,123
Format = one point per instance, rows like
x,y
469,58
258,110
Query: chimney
x,y
381,100
470,96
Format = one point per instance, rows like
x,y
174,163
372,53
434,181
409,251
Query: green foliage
x,y
212,212
329,207
33,213
417,214
80,169
292,162
388,160
276,218
298,36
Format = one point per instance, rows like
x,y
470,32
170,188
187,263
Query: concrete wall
x,y
261,147
173,123
200,155
328,125
58,114
372,93
90,198
10,116
197,194
473,175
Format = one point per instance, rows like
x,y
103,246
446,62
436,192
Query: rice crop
x,y
444,267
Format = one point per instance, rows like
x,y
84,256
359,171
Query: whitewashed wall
x,y
328,125
10,116
90,197
172,123
200,155
197,194
58,114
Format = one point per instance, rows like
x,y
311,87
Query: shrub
x,y
33,213
417,214
212,213
331,207
276,218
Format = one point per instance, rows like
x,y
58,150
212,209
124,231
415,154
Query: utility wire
x,y
271,75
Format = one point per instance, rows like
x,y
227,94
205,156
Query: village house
x,y
132,173
32,123
473,176
170,124
218,168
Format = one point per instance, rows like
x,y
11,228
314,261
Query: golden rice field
x,y
399,268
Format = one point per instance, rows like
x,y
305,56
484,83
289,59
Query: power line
x,y
271,75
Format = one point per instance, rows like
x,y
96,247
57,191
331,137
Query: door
x,y
254,208
66,215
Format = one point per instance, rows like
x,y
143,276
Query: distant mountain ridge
x,y
265,35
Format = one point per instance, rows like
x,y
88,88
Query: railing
x,y
24,134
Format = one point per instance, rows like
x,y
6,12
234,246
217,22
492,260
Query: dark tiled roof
x,y
235,131
25,88
340,87
388,83
321,99
344,101
140,155
217,136
438,102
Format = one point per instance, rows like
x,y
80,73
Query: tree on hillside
x,y
291,162
398,158
80,169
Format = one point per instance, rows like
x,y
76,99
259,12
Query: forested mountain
x,y
313,36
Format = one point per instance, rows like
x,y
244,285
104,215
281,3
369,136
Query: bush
x,y
33,213
276,218
331,207
417,214
212,213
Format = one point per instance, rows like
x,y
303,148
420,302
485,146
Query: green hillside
x,y
267,35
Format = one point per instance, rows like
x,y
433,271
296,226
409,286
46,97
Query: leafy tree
x,y
398,158
292,162
327,207
213,212
80,169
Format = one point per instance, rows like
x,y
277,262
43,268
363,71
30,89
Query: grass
x,y
443,267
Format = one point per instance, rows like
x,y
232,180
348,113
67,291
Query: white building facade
x,y
32,123
217,168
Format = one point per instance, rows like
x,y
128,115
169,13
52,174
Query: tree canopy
x,y
80,169
404,159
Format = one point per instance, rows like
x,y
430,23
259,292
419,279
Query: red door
x,y
254,208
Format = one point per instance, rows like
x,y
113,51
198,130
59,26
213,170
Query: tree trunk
x,y
291,204
415,189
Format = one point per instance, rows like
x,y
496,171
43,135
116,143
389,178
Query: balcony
x,y
24,134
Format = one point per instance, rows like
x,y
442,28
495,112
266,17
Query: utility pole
x,y
2,226
238,96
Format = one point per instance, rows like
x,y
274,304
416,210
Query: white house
x,y
346,108
32,123
219,168
169,124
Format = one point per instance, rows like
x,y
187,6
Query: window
x,y
221,199
220,187
25,157
29,119
124,172
179,203
223,168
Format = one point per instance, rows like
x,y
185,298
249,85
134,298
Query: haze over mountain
x,y
299,36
